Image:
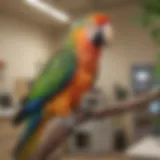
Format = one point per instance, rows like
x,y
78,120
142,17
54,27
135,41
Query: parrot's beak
x,y
104,36
99,39
108,33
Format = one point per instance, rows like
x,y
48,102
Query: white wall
x,y
22,46
131,45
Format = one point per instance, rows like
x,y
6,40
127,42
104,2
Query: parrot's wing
x,y
52,80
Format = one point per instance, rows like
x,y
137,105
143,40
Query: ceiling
x,y
74,8
78,7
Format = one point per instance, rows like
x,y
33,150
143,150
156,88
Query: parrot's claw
x,y
87,110
70,121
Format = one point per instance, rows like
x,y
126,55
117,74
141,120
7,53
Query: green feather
x,y
59,69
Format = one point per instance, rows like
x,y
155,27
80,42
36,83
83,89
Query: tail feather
x,y
29,109
30,138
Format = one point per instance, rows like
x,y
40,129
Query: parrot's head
x,y
94,30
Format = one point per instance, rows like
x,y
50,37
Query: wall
x,y
132,45
22,47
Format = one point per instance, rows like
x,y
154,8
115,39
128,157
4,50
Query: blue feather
x,y
32,125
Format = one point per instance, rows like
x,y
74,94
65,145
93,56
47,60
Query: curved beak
x,y
99,39
104,36
108,33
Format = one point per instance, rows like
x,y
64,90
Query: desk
x,y
147,149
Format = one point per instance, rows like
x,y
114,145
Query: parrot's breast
x,y
66,101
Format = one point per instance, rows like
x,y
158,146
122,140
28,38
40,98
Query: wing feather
x,y
56,75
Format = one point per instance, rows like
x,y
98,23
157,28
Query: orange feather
x,y
88,55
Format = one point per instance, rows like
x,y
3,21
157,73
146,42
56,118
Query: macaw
x,y
67,76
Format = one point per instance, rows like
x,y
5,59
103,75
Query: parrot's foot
x,y
87,110
87,113
70,122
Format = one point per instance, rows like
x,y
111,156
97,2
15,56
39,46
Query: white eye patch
x,y
92,30
108,31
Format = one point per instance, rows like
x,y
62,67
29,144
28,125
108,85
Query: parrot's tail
x,y
30,139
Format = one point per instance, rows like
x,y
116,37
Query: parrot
x,y
66,77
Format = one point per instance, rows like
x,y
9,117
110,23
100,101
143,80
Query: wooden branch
x,y
56,137
128,105
63,131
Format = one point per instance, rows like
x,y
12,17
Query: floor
x,y
9,134
108,157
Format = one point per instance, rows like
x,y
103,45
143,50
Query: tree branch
x,y
128,105
57,136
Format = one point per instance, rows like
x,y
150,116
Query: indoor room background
x,y
28,38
